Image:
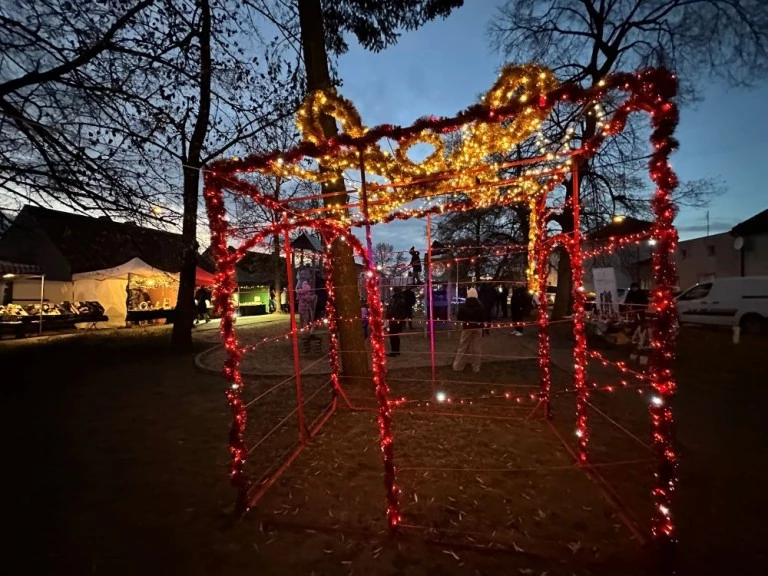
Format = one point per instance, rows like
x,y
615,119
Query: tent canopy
x,y
134,267
204,278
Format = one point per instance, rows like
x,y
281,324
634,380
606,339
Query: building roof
x,y
88,243
259,268
623,227
254,268
306,242
758,224
17,269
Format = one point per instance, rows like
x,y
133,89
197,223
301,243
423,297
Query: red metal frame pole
x,y
664,334
429,296
379,367
303,435
579,334
542,273
333,332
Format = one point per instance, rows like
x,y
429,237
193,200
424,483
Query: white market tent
x,y
108,287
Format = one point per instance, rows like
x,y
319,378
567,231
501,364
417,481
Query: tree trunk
x,y
181,338
354,359
564,296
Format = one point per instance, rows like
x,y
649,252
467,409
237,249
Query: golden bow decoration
x,y
466,163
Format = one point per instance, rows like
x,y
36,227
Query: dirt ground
x,y
116,459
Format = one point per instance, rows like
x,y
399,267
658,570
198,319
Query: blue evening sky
x,y
444,66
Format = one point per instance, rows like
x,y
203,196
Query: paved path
x,y
276,358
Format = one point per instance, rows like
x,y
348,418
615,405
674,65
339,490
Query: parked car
x,y
738,301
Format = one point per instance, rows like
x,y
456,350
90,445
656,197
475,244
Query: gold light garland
x,y
533,234
466,168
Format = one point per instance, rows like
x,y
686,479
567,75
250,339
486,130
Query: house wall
x,y
699,259
756,255
28,291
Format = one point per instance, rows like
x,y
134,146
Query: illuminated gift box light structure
x,y
462,178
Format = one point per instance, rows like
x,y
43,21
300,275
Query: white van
x,y
738,301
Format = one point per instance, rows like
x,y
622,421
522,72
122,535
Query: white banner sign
x,y
606,294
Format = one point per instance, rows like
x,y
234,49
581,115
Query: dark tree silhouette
x,y
51,57
116,106
585,40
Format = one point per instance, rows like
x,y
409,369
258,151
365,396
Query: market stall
x,y
21,319
251,299
132,292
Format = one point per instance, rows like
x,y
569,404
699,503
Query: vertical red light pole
x,y
333,334
226,283
379,365
429,296
303,433
579,333
665,117
542,273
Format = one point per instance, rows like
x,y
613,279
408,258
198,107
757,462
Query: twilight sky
x,y
444,66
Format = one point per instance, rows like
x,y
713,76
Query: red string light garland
x,y
649,90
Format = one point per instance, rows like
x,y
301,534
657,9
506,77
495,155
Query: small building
x,y
752,237
742,251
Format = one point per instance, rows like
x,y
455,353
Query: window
x,y
711,250
684,253
698,291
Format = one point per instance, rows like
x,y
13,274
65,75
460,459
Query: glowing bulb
x,y
652,242
440,396
579,433
657,401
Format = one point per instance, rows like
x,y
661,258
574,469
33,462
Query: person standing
x,y
519,305
201,298
321,291
410,302
487,297
272,299
307,302
415,265
396,315
504,292
284,299
472,317
636,300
